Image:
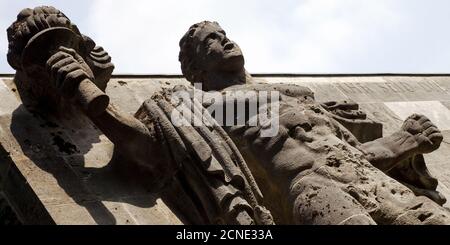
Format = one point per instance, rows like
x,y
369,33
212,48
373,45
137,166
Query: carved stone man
x,y
205,185
315,171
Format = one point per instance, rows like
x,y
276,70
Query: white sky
x,y
284,36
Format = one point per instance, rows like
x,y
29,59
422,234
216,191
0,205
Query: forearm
x,y
127,133
385,153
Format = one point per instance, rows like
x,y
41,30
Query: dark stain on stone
x,y
312,195
315,214
122,83
417,206
64,146
354,193
425,216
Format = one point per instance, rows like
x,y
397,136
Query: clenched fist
x,y
426,134
67,69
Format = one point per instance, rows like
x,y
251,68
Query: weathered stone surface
x,y
300,165
427,94
322,167
59,175
129,93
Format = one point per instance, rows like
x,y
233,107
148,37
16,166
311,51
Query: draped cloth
x,y
213,180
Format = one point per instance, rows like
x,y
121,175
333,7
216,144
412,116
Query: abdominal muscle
x,y
328,181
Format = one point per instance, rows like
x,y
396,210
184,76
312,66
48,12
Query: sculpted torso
x,y
318,173
314,171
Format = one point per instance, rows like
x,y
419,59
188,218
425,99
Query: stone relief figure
x,y
207,183
315,171
39,94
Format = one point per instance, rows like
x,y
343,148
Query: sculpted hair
x,y
188,52
30,22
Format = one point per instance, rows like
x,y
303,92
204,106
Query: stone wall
x,y
77,188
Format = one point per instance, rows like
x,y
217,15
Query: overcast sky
x,y
295,36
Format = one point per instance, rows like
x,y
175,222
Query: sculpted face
x,y
215,52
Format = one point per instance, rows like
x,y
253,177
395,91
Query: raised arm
x,y
418,135
130,137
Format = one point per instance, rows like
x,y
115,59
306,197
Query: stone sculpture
x,y
314,171
210,187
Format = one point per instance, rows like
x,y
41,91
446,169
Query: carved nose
x,y
229,46
225,40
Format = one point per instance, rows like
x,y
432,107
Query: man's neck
x,y
218,81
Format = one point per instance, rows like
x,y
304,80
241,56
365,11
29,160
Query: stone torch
x,y
43,45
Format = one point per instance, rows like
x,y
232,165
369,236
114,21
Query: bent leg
x,y
321,202
352,191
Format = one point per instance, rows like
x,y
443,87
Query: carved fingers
x,y
72,53
416,124
80,60
351,114
413,124
98,54
67,69
427,135
345,109
433,139
341,105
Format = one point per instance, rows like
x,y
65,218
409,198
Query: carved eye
x,y
210,38
213,36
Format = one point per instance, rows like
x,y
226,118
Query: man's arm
x,y
417,136
130,137
385,153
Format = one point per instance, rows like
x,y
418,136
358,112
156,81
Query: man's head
x,y
205,49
